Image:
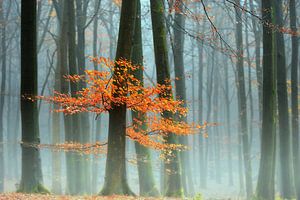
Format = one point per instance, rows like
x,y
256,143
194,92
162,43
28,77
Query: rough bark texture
x,y
115,173
265,184
172,184
31,180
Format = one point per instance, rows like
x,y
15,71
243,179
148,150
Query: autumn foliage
x,y
115,86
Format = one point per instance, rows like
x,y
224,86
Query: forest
x,y
149,99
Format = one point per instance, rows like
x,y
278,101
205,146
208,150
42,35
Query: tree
x,y
115,173
294,98
31,180
265,184
146,179
242,103
172,184
3,81
180,88
283,115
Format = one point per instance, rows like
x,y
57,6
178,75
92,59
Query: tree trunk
x,y
115,173
172,184
283,115
84,122
242,103
180,88
216,132
201,114
265,184
257,37
227,107
146,179
56,132
31,180
294,97
2,97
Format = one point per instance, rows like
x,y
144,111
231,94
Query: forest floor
x,y
21,196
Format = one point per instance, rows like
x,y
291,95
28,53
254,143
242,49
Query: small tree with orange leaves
x,y
100,94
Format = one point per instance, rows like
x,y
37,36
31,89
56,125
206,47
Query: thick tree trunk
x,y
283,115
294,97
31,180
265,184
172,184
115,173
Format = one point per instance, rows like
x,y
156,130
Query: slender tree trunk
x,y
294,96
172,184
257,37
265,184
56,132
84,127
209,92
201,114
179,23
115,173
242,104
229,145
2,94
62,60
74,161
97,121
146,179
31,180
216,132
283,115
249,88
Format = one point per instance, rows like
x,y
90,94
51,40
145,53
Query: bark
x,y
31,180
283,115
294,98
62,53
179,23
84,125
242,103
145,172
265,184
115,173
172,184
